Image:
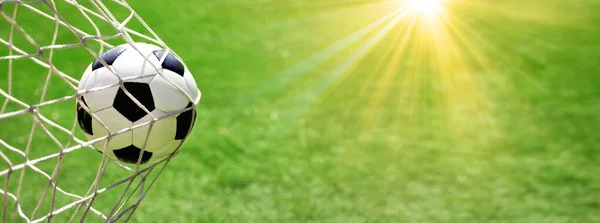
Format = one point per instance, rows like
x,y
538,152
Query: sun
x,y
425,7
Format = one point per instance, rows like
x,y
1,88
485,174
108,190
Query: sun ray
x,y
500,49
362,39
284,81
389,73
335,75
379,82
409,95
326,69
336,27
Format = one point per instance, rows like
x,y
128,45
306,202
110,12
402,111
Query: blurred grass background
x,y
356,111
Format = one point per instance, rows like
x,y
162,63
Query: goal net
x,y
49,172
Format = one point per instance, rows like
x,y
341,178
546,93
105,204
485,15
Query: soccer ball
x,y
160,83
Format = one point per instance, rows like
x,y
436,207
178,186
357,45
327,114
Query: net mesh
x,y
49,172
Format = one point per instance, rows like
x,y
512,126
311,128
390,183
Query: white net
x,y
48,171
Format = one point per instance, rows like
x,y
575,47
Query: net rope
x,y
138,179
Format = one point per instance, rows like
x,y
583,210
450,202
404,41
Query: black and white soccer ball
x,y
159,82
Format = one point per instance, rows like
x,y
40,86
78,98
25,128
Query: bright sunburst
x,y
425,7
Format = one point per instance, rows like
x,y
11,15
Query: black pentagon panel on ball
x,y
171,62
185,122
109,57
131,154
127,107
84,118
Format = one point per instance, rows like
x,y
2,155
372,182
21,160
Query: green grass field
x,y
349,111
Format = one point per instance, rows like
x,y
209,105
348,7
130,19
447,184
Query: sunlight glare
x,y
425,7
